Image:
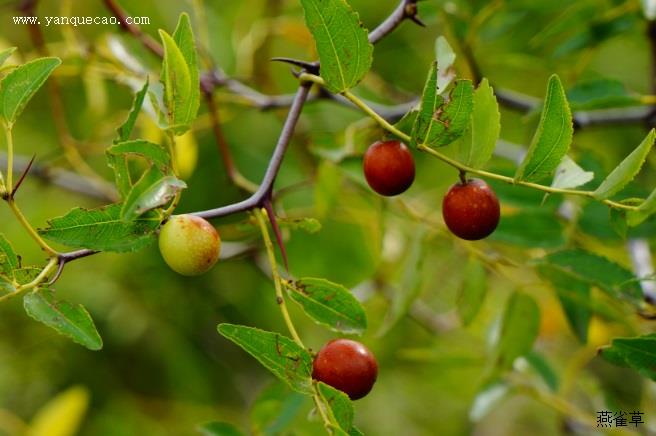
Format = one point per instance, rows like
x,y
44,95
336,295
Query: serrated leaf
x,y
62,415
341,40
472,292
126,128
101,229
20,85
610,277
638,353
572,293
569,175
9,261
6,54
69,320
279,354
519,329
340,407
445,57
552,137
329,304
481,136
180,76
216,428
626,170
438,122
153,190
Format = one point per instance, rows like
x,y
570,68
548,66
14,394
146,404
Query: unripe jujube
x,y
347,366
189,244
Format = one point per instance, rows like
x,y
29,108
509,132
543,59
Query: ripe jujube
x,y
471,210
189,244
346,365
389,167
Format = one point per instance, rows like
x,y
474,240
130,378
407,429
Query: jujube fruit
x,y
346,365
471,210
189,244
389,167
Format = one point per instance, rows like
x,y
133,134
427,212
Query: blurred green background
x,y
164,369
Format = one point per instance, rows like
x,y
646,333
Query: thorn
x,y
416,20
296,73
310,67
22,177
60,269
276,230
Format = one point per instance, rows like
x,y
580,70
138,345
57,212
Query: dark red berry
x,y
389,167
471,210
346,365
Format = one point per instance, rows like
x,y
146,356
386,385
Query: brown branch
x,y
134,29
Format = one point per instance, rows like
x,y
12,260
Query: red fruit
x,y
471,210
389,167
346,365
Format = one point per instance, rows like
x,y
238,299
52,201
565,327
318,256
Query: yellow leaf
x,y
186,155
62,415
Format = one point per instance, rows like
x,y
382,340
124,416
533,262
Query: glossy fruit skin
x,y
189,244
471,210
389,167
347,366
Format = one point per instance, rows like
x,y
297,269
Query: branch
x,y
407,9
134,29
59,177
526,103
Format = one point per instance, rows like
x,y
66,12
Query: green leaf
x,y
446,57
406,123
101,229
438,122
569,175
9,260
473,290
279,354
481,136
544,369
340,406
600,94
6,54
573,295
552,137
274,409
126,128
67,319
329,304
610,277
645,210
342,43
153,190
180,76
626,170
519,329
532,228
150,151
216,428
638,353
20,85
355,432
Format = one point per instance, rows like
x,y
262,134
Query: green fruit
x,y
189,244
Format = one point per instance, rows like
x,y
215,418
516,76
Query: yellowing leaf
x,y
62,415
186,155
